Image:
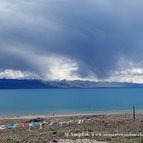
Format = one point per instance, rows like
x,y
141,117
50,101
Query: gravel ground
x,y
102,124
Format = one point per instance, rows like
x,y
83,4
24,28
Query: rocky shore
x,y
105,128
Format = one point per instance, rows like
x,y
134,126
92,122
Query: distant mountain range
x,y
38,84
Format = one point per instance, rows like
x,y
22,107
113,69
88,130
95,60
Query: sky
x,y
99,40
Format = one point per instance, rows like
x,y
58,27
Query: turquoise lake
x,y
69,101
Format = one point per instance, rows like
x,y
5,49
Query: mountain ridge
x,y
39,84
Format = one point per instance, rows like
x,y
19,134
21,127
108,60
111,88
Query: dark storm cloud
x,y
94,33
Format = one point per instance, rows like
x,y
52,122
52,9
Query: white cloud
x,y
50,67
62,68
16,74
133,75
66,69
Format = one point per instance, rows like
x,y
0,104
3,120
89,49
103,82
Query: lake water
x,y
69,101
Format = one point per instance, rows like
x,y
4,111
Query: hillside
x,y
38,84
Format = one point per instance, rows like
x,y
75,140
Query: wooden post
x,y
134,113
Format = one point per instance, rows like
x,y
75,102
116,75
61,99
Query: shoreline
x,y
64,128
68,115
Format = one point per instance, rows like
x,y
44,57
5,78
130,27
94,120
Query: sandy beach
x,y
68,115
88,128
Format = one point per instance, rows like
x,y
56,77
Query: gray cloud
x,y
94,33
